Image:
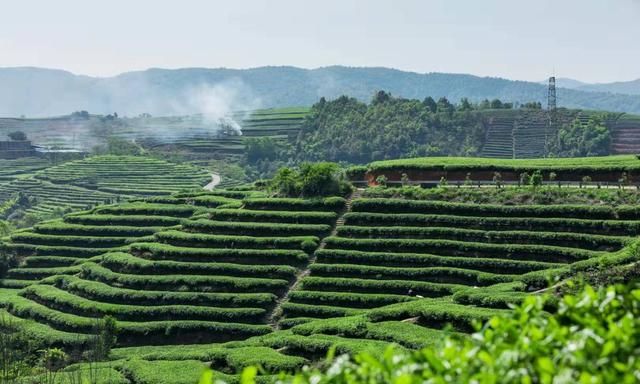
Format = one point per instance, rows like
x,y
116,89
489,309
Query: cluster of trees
x,y
17,136
117,146
264,156
579,139
350,131
311,180
81,115
347,130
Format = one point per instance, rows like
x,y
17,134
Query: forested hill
x,y
35,92
348,130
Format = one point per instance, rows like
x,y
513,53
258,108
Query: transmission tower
x,y
551,99
552,105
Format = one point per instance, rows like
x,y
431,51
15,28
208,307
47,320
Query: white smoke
x,y
201,111
217,104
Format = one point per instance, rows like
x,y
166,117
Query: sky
x,y
588,40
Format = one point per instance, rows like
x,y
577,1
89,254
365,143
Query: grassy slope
x,y
346,280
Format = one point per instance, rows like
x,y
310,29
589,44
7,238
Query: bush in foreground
x,y
594,337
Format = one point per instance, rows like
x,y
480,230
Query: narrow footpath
x,y
215,180
276,313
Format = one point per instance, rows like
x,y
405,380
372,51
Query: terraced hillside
x,y
216,277
84,183
499,141
277,282
196,137
523,133
127,175
20,168
205,143
57,132
625,135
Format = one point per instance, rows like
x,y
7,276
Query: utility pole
x,y
552,107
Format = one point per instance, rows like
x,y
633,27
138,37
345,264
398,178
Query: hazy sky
x,y
590,40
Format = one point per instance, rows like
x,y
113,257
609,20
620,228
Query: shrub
x,y
218,241
293,204
592,338
313,180
159,251
262,216
497,210
255,229
610,227
17,136
536,179
462,248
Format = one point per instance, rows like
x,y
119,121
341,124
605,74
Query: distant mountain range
x,y
623,87
37,92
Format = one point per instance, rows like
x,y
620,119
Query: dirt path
x,y
276,313
215,180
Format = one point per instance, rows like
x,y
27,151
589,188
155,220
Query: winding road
x,y
215,180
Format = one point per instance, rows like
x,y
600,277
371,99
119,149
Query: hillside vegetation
x,y
348,130
619,171
280,282
35,190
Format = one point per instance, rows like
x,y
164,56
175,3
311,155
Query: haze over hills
x,y
37,92
620,87
624,87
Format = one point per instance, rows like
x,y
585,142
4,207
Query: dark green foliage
x,y
347,299
312,180
500,266
576,240
150,209
611,227
261,148
67,229
125,220
317,310
307,244
66,302
262,216
461,248
101,292
17,136
513,195
160,251
126,263
256,229
348,130
292,204
199,283
446,275
74,241
521,346
494,210
119,147
579,139
396,287
130,330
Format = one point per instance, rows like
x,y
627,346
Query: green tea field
x,y
81,184
232,278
